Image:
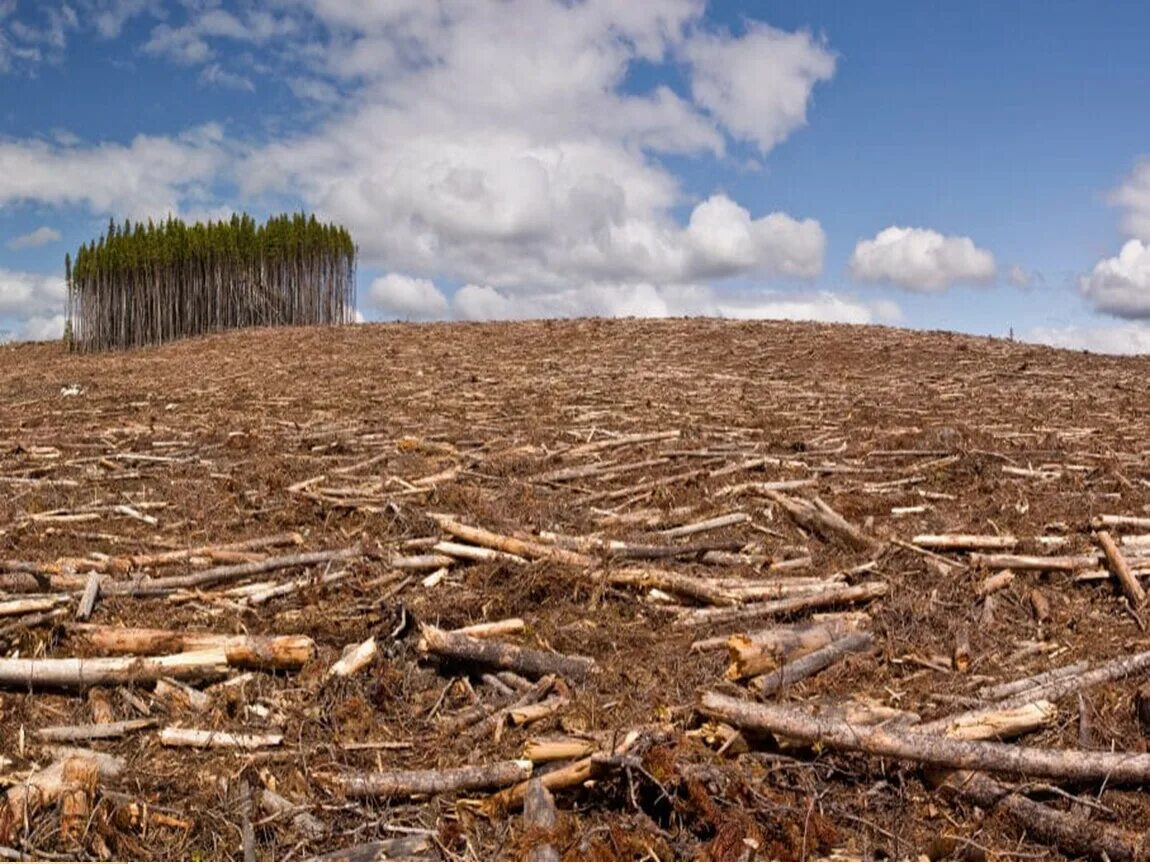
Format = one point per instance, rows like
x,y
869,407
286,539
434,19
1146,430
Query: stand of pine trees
x,y
146,284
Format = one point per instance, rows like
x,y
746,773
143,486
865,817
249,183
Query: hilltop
x,y
375,443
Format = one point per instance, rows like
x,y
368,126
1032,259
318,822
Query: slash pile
x,y
584,590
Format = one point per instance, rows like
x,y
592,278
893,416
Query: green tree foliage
x,y
145,284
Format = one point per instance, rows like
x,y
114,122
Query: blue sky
x,y
975,166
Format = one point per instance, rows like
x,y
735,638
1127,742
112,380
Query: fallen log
x,y
1053,563
404,784
216,575
94,731
1012,688
931,750
1001,723
501,655
354,658
275,805
836,597
813,663
29,605
465,552
816,515
175,736
1074,835
50,784
75,672
253,652
673,583
523,548
1130,586
954,542
712,524
539,820
487,629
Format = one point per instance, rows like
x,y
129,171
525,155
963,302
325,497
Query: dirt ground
x,y
352,436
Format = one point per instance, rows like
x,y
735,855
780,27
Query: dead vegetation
x,y
574,590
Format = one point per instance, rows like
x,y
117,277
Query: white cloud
x,y
1121,285
24,295
757,85
1019,277
725,241
40,237
643,300
110,16
149,177
215,74
39,328
1133,196
1131,337
919,259
399,296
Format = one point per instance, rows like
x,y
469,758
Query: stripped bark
x,y
965,541
846,594
816,515
95,731
174,736
523,548
1130,586
1060,563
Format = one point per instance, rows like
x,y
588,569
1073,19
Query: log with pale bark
x,y
691,587
177,736
95,731
813,663
996,692
839,596
49,784
816,515
76,672
1052,563
252,652
528,549
354,658
229,573
1130,586
959,542
767,650
490,629
275,805
404,784
1080,766
502,655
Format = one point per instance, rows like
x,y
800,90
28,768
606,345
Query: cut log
x,y
29,605
488,722
767,650
1013,688
1130,586
523,548
74,672
846,594
1110,521
501,655
953,542
253,652
932,750
673,583
88,599
178,694
816,515
539,820
465,552
50,784
1074,835
540,750
354,658
995,582
1053,563
94,731
404,784
620,441
174,736
813,663
217,575
712,524
1002,724
487,629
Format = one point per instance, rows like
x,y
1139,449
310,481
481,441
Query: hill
x,y
191,481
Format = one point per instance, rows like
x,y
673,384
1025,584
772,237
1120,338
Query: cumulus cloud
x,y
407,298
149,177
217,75
1133,196
919,259
40,328
1121,285
1132,337
42,236
758,85
644,300
32,301
1019,277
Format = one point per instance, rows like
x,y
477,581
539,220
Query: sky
x,y
980,166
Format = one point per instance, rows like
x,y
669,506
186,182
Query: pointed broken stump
x,y
539,820
404,784
501,655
